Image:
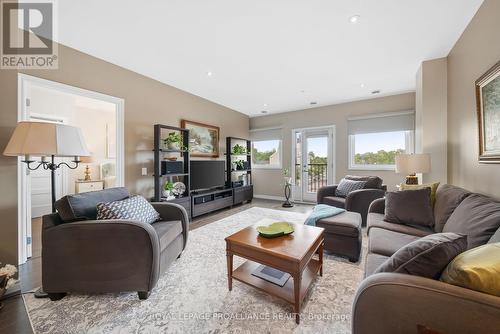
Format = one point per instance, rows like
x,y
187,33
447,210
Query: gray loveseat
x,y
82,254
398,303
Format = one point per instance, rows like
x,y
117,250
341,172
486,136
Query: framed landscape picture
x,y
488,115
203,139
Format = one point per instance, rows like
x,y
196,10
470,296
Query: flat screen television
x,y
207,174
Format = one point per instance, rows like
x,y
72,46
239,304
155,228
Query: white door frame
x,y
297,193
24,211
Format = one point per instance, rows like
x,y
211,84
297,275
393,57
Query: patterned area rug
x,y
192,296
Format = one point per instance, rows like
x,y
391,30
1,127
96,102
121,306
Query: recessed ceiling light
x,y
362,85
354,19
265,104
302,91
209,73
263,112
377,91
313,103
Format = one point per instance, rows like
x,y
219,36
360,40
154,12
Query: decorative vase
x,y
288,192
173,146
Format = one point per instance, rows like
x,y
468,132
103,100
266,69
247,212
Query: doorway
x,y
99,116
313,158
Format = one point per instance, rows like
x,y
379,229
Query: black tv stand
x,y
211,200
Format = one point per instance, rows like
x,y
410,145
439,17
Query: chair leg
x,y
143,295
57,296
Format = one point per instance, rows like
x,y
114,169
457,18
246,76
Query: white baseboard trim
x,y
274,198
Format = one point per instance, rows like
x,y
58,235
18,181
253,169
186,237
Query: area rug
x,y
192,296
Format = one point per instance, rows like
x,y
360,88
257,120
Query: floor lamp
x,y
47,141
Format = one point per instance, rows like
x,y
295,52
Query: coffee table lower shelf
x,y
244,274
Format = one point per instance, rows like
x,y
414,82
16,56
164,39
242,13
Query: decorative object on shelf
x,y
288,188
7,280
274,230
239,150
167,190
172,167
87,160
47,140
178,189
171,158
241,165
203,139
488,115
411,164
173,141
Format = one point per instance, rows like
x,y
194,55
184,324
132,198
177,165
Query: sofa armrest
x,y
173,211
409,302
99,256
377,206
324,192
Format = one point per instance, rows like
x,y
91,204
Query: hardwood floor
x,y
13,317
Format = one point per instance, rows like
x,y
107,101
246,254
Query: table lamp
x,y
87,160
411,164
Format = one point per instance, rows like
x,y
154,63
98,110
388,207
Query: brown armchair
x,y
82,254
356,201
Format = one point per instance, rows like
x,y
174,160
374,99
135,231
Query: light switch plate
x,y
144,171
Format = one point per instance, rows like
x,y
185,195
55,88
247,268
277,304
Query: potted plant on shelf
x,y
239,150
173,141
6,279
167,190
240,164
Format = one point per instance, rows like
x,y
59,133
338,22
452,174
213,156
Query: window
x,y
266,153
374,142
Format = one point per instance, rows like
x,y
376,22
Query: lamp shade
x,y
87,160
413,163
46,139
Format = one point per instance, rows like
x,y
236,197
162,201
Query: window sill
x,y
267,168
373,168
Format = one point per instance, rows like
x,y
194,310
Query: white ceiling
x,y
283,53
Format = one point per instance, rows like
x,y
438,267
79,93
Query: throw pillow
x,y
427,256
476,269
448,198
434,186
133,208
478,217
346,186
409,207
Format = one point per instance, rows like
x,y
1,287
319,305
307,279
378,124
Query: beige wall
x,y
477,50
431,117
146,102
269,182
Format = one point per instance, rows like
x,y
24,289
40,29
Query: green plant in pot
x,y
167,189
173,141
238,149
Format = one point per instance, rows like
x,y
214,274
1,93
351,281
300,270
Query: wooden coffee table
x,y
293,254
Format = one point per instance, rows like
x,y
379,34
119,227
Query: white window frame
x,y
409,146
280,151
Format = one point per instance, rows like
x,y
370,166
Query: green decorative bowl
x,y
275,230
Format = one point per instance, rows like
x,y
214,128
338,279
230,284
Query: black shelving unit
x,y
161,131
241,192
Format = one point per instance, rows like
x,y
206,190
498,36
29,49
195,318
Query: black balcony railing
x,y
317,176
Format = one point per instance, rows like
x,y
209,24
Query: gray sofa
x,y
358,200
411,304
82,254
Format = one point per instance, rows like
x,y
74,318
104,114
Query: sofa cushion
x,y
337,202
167,232
83,206
448,197
434,186
427,256
373,261
133,208
372,182
346,186
385,242
377,220
477,269
412,207
478,217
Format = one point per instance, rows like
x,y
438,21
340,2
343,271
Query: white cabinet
x,y
86,186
